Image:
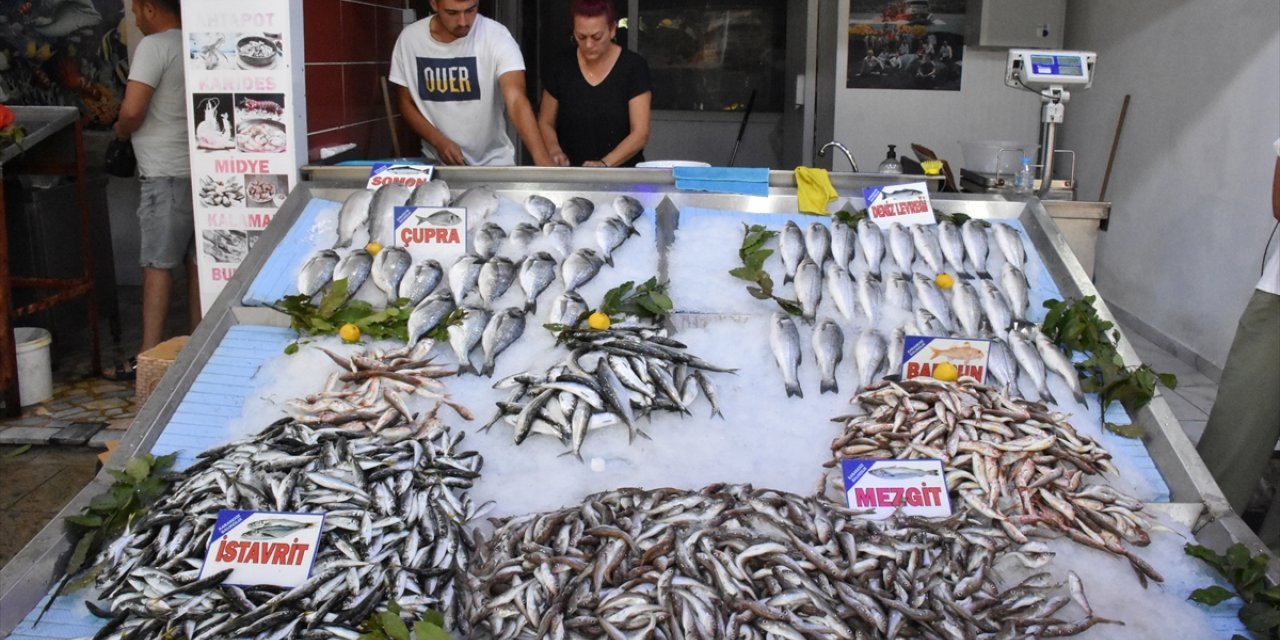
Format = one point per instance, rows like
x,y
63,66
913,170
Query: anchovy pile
x,y
373,389
731,561
636,371
394,530
1010,460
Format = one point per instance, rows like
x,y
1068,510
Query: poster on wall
x,y
906,44
246,124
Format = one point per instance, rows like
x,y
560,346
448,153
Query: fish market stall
x,y
703,425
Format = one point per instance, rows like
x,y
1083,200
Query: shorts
x,y
168,221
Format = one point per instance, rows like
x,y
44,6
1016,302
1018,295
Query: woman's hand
x,y
594,163
559,158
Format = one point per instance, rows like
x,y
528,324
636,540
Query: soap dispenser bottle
x,y
890,164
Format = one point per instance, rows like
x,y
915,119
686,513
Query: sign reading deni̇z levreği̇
x,y
906,204
918,487
263,548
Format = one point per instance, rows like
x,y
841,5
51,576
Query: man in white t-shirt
x,y
451,68
153,114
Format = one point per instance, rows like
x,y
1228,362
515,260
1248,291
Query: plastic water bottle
x,y
1024,180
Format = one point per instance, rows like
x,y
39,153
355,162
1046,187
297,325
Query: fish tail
x,y
608,260
715,411
934,354
984,275
487,371
830,386
787,278
531,306
793,389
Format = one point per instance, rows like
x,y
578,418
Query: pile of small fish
x,y
372,391
636,372
1010,460
819,259
731,561
394,530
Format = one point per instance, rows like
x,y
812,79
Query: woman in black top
x,y
595,105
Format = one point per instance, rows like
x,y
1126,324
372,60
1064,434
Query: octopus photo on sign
x,y
266,106
214,51
261,136
266,190
226,246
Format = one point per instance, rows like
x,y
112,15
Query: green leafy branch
x,y
648,300
1075,326
335,310
954,218
388,625
142,481
1247,575
753,254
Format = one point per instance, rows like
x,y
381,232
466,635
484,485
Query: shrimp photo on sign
x,y
215,129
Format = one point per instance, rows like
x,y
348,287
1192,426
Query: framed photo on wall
x,y
906,44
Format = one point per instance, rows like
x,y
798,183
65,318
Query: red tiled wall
x,y
348,48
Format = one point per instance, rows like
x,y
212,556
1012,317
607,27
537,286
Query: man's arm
x,y
133,109
547,125
448,151
521,113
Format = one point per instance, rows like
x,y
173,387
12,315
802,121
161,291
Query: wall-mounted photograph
x,y
906,44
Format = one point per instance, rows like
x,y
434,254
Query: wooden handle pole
x,y
1115,142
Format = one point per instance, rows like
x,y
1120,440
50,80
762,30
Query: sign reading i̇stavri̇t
x,y
263,547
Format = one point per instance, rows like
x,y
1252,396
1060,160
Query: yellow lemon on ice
x,y
598,321
373,248
944,281
945,372
350,333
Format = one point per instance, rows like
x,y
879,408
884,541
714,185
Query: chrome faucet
x,y
823,152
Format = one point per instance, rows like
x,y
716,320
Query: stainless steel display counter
x,y
1194,498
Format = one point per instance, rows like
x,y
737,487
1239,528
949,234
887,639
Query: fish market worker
x,y
452,67
596,102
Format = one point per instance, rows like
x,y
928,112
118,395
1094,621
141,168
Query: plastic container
x,y
1024,181
35,372
981,156
890,164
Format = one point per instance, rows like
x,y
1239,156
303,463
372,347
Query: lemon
x,y
349,332
945,372
598,321
944,280
373,248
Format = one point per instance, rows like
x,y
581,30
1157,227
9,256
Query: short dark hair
x,y
168,6
593,8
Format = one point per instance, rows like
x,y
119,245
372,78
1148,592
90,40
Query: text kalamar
x,y
259,220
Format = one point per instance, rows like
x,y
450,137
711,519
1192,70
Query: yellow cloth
x,y
814,190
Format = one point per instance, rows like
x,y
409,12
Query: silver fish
x,y
428,314
1014,285
817,242
576,211
828,350
432,193
523,234
974,234
382,211
840,289
355,267
566,308
893,351
274,528
537,272
463,276
464,336
1010,243
488,239
897,472
809,287
868,287
388,269
628,208
791,246
353,216
868,356
1001,365
902,247
496,277
317,271
784,340
503,329
842,241
561,236
1028,359
925,241
871,242
540,207
579,268
480,202
928,324
897,291
421,280
952,246
929,297
439,218
610,234
996,306
1059,363
964,302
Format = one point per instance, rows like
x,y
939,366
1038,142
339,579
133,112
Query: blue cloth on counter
x,y
745,181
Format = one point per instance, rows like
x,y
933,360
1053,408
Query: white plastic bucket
x,y
986,156
35,373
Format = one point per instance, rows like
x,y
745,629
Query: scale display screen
x,y
1057,65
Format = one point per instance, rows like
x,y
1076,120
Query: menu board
x,y
246,125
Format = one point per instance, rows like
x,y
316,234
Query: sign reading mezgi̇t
x,y
263,547
917,487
